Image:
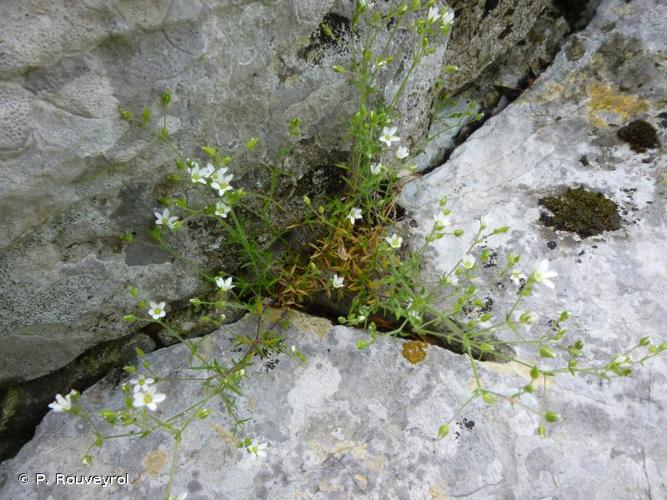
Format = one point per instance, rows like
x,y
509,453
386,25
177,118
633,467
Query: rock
x,y
75,176
562,133
353,423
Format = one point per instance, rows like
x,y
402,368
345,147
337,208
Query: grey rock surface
x,y
350,424
74,176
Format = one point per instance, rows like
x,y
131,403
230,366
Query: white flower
x,y
200,175
156,311
441,221
377,168
148,398
354,215
448,17
208,170
141,383
452,279
413,314
224,284
433,14
337,281
165,219
468,261
63,403
543,274
394,241
379,65
485,324
518,277
220,181
402,153
222,209
388,136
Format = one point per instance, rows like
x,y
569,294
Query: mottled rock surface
x,y
352,424
74,176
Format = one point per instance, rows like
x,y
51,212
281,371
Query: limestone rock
x,y
74,176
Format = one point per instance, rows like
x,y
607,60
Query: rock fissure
x,y
63,84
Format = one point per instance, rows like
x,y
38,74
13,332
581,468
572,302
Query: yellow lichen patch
x,y
436,493
508,369
272,315
603,99
155,461
319,326
415,351
375,463
552,90
226,436
361,480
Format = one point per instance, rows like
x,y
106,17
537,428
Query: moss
x,y
640,135
8,407
584,212
575,49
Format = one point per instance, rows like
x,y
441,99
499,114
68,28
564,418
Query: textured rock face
x,y
352,423
74,176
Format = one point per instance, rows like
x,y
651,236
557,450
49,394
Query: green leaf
x,y
443,430
130,369
210,151
125,114
362,344
326,29
551,417
203,413
109,415
130,318
546,352
251,143
534,372
146,115
488,397
293,127
165,98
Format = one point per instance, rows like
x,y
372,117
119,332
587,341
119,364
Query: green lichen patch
x,y
575,49
580,211
640,134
